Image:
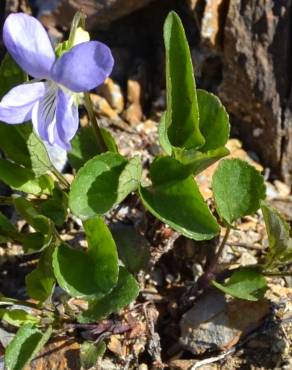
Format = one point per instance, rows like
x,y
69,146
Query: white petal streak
x,y
44,114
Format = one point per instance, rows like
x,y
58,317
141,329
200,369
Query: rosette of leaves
x,y
193,132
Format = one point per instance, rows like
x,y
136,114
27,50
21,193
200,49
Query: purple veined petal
x,y
44,113
28,43
67,119
16,106
83,67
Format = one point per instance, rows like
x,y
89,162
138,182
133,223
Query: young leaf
x,y
23,179
197,161
27,342
278,233
175,199
92,273
123,293
40,282
182,115
89,353
238,188
214,121
245,283
163,137
17,317
104,181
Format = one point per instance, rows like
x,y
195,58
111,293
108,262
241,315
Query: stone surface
x,y
215,323
257,78
112,92
211,26
100,13
133,113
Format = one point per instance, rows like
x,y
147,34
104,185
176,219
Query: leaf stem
x,y
221,247
60,177
277,273
99,139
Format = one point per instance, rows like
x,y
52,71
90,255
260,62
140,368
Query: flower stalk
x,y
98,135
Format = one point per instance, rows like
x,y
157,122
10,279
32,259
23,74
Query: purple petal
x,y
44,114
67,119
28,43
84,67
16,106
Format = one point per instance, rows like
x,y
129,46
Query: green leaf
x,y
109,140
27,342
92,273
278,233
123,293
89,353
197,161
84,146
238,188
34,242
19,142
20,178
162,135
245,283
104,181
40,282
175,199
11,75
214,121
133,248
17,317
55,207
8,230
182,116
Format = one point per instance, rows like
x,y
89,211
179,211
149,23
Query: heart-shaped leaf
x,y
175,199
123,294
214,121
182,115
41,281
197,161
27,342
238,188
104,181
92,273
245,283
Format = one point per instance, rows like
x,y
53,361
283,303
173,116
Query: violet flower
x,y
49,100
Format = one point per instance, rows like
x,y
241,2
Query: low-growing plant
x,y
193,133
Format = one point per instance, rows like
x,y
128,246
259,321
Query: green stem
x,y
78,20
279,273
99,139
61,178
